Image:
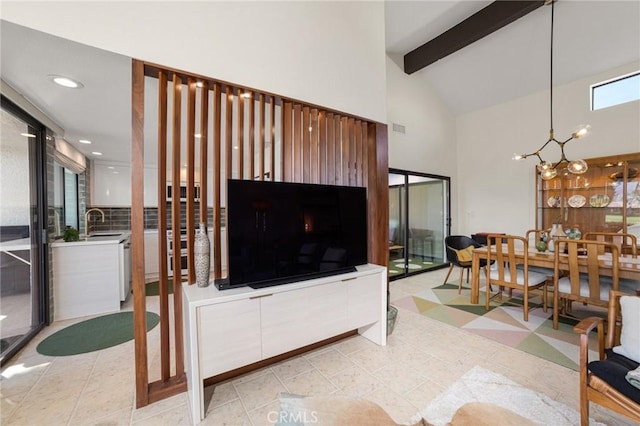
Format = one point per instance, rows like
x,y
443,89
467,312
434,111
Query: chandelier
x,y
548,170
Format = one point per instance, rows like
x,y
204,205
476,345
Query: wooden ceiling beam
x,y
493,17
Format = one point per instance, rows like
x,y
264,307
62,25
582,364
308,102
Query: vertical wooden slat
x,y
365,154
228,128
297,143
163,280
322,143
331,150
252,138
314,156
191,192
346,155
240,127
378,194
337,146
282,150
175,224
287,142
272,135
217,154
358,151
204,153
261,141
352,153
306,144
137,233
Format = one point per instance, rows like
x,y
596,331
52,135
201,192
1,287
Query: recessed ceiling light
x,y
110,167
198,135
246,94
96,153
87,141
115,172
28,135
199,84
66,82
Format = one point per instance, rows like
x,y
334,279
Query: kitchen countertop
x,y
96,239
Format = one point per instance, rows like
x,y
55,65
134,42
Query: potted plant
x,y
70,234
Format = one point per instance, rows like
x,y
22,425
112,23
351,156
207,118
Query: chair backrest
x,y
504,250
614,319
625,242
457,242
583,254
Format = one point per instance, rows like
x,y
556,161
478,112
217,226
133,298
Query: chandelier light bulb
x,y
577,167
581,132
517,157
544,165
549,174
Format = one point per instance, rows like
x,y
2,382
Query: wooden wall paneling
x,y
163,279
175,224
346,155
261,139
352,152
322,145
314,151
378,194
358,151
281,139
330,149
337,146
252,137
272,137
137,233
204,153
216,179
287,142
240,126
190,204
365,154
297,143
228,133
306,144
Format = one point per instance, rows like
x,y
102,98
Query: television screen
x,y
284,232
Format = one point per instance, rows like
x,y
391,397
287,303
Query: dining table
x,y
628,266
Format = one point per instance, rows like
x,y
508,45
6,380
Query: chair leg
x,y
468,275
460,281
525,303
448,273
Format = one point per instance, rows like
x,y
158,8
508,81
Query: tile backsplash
x,y
119,218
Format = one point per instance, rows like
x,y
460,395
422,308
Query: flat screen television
x,y
280,232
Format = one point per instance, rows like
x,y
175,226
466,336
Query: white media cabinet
x,y
228,329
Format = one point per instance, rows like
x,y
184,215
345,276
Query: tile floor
x,y
422,358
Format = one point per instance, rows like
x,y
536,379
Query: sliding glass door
x,y
22,259
419,206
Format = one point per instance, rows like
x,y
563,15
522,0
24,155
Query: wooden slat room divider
x,y
242,133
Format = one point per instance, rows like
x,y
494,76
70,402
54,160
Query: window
x,y
65,192
615,91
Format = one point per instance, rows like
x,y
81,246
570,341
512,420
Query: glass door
x,y
419,206
22,307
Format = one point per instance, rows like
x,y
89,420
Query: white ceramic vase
x,y
202,257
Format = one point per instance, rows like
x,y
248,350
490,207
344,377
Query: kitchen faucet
x,y
86,219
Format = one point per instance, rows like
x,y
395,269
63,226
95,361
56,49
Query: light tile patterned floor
x,y
423,357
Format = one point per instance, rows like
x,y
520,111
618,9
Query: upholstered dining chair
x,y
459,248
512,270
591,287
603,381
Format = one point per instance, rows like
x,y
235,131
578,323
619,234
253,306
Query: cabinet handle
x,y
260,297
349,279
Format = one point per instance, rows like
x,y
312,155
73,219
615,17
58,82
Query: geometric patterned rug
x,y
503,322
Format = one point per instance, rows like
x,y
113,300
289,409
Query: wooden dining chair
x,y
512,270
602,380
590,287
627,243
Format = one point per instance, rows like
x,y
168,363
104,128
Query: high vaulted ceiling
x,y
590,37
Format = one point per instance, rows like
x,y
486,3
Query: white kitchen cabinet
x,y
229,329
124,268
151,261
111,185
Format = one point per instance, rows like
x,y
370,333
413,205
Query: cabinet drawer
x,y
229,336
365,300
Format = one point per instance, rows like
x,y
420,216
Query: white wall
x,y
429,144
327,53
497,193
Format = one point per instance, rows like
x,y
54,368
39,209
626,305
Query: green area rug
x,y
93,335
503,322
152,288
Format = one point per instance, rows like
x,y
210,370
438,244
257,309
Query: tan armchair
x,y
594,388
